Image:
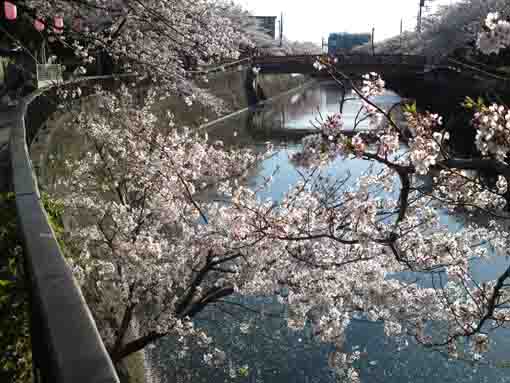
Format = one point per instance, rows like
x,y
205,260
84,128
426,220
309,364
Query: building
x,y
267,24
344,42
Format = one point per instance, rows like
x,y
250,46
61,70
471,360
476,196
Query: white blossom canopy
x,y
153,247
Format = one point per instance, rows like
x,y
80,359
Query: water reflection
x,y
288,118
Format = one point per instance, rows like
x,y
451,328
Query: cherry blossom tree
x,y
150,247
495,35
165,226
160,39
447,28
136,187
457,185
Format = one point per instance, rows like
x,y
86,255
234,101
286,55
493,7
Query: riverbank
x,y
223,94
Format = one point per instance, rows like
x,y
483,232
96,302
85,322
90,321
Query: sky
x,y
311,20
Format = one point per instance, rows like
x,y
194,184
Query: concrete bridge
x,y
349,64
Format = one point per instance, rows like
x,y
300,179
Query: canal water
x,y
262,343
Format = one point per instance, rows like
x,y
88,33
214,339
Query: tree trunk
x,y
134,346
121,351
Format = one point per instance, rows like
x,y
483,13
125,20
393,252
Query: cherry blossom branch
x,y
361,95
182,305
210,297
136,345
126,320
191,199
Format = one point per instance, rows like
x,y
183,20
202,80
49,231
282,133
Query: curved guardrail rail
x,y
66,344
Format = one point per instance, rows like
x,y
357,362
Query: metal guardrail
x,y
66,344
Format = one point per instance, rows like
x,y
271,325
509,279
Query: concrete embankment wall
x,y
227,91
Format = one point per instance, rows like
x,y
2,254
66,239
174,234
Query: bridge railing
x,y
66,345
356,59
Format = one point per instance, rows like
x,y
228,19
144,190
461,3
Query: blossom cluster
x,y
323,62
332,126
495,35
321,148
463,189
373,85
136,185
427,140
492,125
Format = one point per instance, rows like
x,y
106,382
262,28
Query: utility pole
x,y
281,29
373,47
401,31
324,44
422,3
